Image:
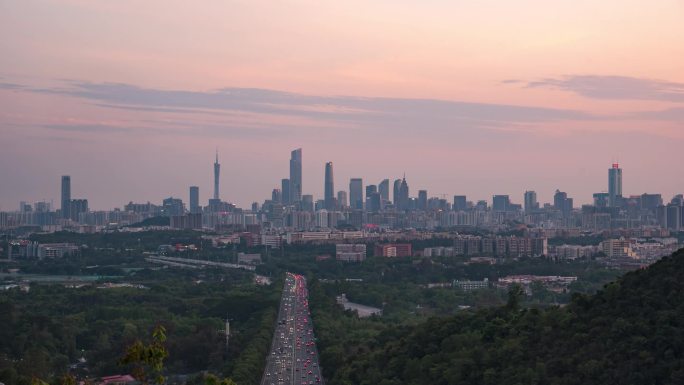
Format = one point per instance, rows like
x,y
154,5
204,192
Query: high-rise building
x,y
559,200
614,184
329,193
25,207
172,206
276,195
674,217
296,175
76,207
307,203
342,199
562,203
66,196
422,200
285,191
651,201
383,189
373,201
375,205
194,200
217,172
396,187
356,193
460,202
500,202
403,195
531,203
601,199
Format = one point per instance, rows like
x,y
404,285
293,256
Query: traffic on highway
x,y
293,359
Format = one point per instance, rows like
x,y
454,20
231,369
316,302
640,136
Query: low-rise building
x,y
468,285
249,259
617,248
56,250
393,250
350,252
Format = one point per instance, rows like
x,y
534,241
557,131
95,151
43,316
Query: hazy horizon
x,y
473,99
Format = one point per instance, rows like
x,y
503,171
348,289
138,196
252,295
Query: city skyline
x,y
356,187
466,98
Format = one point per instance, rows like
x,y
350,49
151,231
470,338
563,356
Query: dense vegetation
x,y
631,332
51,326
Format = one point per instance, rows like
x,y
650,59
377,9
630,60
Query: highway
x,y
293,358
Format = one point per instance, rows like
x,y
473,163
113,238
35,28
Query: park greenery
x,y
439,335
51,327
630,332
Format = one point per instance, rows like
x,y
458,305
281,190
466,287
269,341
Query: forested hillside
x,y
44,331
631,332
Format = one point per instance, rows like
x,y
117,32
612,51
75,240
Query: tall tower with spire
x,y
403,195
217,173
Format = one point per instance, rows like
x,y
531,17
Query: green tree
x,y
515,292
211,379
148,360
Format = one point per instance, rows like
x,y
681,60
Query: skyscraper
x,y
559,200
531,201
373,201
342,199
296,176
307,202
194,200
217,172
66,196
562,203
601,199
403,201
356,193
396,187
371,190
329,186
277,196
383,189
614,184
501,202
460,202
422,200
285,190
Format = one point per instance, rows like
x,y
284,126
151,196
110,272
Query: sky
x,y
476,98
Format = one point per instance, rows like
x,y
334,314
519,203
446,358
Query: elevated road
x,y
293,359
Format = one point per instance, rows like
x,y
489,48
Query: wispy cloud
x,y
613,87
344,110
11,86
675,114
90,128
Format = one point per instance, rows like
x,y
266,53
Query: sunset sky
x,y
132,98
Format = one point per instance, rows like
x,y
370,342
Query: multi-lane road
x,y
293,359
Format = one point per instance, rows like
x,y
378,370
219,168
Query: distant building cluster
x,y
384,213
470,245
551,282
27,249
571,252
